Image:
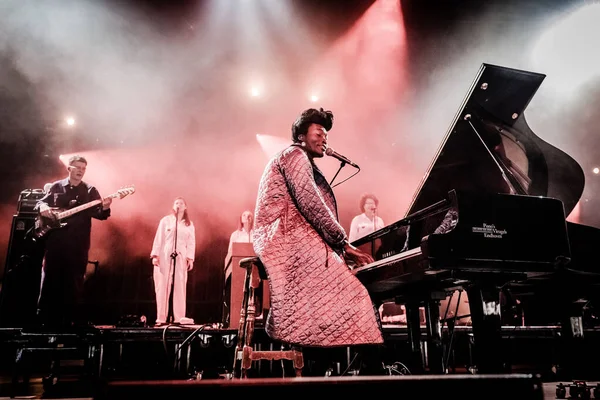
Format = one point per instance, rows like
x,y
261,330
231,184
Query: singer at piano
x,y
316,301
66,249
368,221
173,254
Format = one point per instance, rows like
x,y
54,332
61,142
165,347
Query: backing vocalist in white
x,y
367,222
175,236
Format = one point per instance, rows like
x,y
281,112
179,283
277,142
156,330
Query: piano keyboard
x,y
389,260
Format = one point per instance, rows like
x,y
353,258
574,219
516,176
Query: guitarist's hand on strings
x,y
106,203
46,211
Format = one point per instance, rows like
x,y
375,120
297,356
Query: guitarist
x,y
66,248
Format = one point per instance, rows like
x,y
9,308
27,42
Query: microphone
x,y
331,152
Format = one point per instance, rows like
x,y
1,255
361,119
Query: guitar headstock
x,y
125,191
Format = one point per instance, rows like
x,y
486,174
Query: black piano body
x,y
471,234
489,216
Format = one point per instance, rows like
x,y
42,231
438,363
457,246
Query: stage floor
x,y
146,356
179,389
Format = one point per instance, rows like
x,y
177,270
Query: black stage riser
x,y
445,387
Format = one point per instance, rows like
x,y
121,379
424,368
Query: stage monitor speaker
x,y
22,275
446,387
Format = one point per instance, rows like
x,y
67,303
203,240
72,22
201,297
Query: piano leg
x,y
571,340
484,303
413,321
435,349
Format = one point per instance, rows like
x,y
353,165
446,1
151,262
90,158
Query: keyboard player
x,y
367,222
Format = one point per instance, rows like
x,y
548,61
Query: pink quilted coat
x,y
315,299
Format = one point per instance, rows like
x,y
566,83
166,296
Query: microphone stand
x,y
342,165
171,314
374,220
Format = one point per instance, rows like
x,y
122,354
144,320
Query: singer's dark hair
x,y
186,217
308,117
365,197
250,221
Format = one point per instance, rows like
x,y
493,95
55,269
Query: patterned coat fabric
x,y
315,299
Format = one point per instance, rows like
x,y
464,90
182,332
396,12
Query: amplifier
x,y
28,199
22,274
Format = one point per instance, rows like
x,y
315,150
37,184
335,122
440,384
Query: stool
x,y
244,354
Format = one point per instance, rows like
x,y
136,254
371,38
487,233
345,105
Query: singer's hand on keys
x,y
190,264
360,258
155,261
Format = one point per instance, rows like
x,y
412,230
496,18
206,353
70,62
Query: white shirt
x,y
238,236
361,226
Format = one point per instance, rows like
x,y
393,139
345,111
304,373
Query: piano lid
x,y
489,147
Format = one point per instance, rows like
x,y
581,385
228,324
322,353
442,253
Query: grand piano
x,y
488,218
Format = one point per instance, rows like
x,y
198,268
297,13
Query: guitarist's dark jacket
x,y
74,238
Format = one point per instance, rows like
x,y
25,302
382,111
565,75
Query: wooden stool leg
x,y
298,361
244,352
247,349
250,317
241,340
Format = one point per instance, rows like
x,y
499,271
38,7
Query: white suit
x,y
163,247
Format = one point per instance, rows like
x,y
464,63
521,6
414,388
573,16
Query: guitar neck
x,y
75,210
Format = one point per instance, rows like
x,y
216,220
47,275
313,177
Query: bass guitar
x,y
43,225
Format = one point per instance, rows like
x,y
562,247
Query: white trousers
x,y
162,288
